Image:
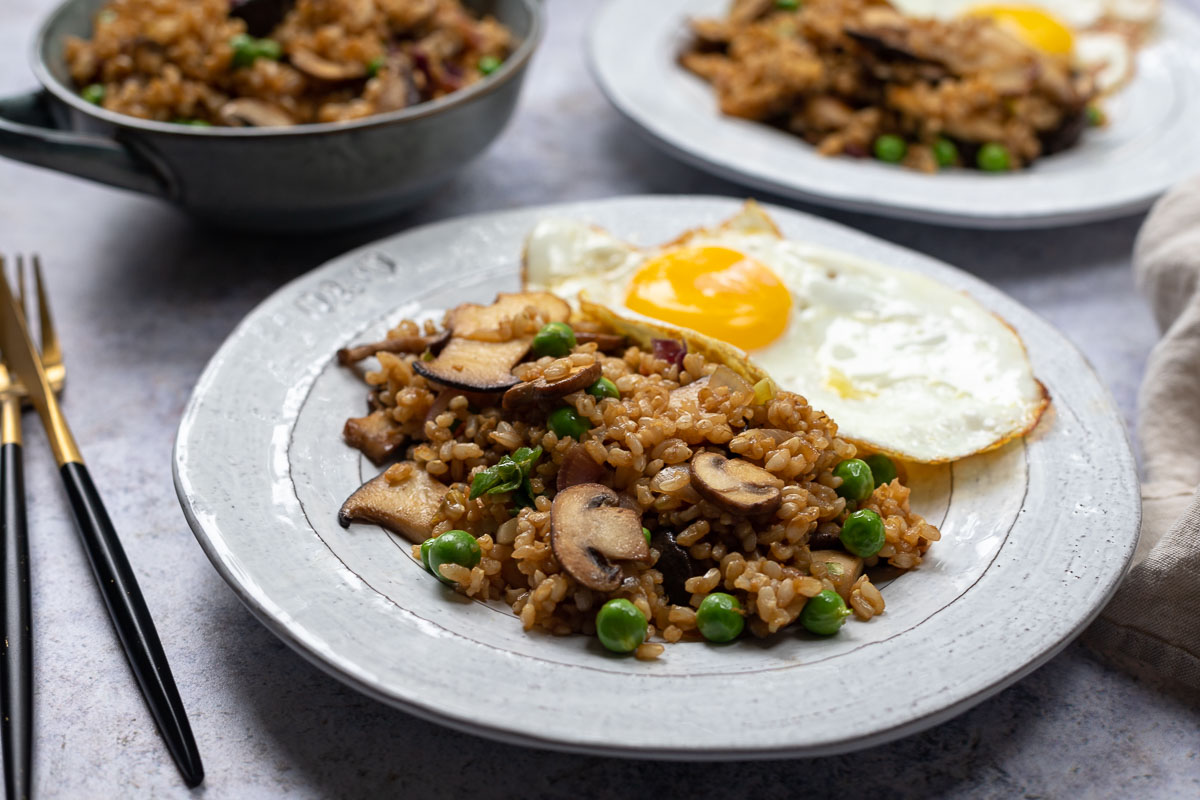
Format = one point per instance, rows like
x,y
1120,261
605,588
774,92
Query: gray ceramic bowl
x,y
303,178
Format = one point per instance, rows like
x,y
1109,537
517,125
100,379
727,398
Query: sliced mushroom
x,y
323,69
473,321
475,366
675,565
375,435
589,529
605,342
578,467
537,391
396,87
479,357
396,344
735,484
406,506
247,112
843,569
828,537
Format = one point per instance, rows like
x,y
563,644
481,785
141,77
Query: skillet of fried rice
x,y
681,395
841,74
280,62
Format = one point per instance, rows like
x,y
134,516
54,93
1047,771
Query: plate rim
x,y
215,545
1001,220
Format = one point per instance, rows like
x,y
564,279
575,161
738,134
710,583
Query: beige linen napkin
x,y
1152,625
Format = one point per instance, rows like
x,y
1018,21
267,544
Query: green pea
x,y
787,5
620,626
374,65
194,123
824,614
604,388
719,617
1096,116
862,533
566,422
425,553
93,94
857,482
489,64
245,49
646,533
993,157
452,547
890,148
554,339
270,49
945,152
882,468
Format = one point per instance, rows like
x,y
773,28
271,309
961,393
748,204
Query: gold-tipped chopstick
x,y
113,574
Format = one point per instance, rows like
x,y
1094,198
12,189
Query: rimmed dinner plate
x,y
1148,146
1036,535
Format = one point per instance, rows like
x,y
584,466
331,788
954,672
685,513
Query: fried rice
x,y
193,61
842,73
639,444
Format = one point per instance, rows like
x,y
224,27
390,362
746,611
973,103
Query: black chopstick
x,y
132,621
16,665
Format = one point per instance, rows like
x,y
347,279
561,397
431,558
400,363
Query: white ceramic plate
x,y
1149,145
1036,535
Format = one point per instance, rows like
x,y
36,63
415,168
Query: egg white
x,y
901,362
1106,32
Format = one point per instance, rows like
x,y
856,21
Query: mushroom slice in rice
x,y
403,499
394,344
589,530
323,69
375,435
541,390
247,112
735,484
483,347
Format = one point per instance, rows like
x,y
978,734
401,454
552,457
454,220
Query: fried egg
x,y
903,364
1099,36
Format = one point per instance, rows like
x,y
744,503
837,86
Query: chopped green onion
x,y
93,94
489,64
510,474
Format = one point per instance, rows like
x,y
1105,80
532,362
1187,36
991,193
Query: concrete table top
x,y
143,298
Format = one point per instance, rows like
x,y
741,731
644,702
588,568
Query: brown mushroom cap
x,y
323,69
541,390
479,357
735,484
578,467
404,499
475,366
589,529
374,435
393,344
605,342
250,112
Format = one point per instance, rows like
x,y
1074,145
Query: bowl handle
x,y
28,133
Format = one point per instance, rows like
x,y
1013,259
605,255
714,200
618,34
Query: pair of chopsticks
x,y
27,374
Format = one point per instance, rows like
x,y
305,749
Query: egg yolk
x,y
1033,26
714,290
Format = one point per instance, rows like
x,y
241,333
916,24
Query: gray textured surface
x,y
144,297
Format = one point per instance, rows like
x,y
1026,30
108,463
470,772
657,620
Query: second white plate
x,y
1149,145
